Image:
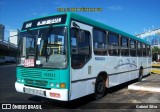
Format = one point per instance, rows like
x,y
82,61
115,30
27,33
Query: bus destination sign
x,y
61,19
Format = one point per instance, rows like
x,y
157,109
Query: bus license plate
x,y
34,91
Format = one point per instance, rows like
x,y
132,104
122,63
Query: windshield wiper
x,y
31,36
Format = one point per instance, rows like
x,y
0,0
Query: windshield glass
x,y
28,43
45,48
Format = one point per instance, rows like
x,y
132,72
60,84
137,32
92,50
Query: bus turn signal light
x,y
62,85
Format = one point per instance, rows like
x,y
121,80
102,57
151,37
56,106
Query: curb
x,y
143,88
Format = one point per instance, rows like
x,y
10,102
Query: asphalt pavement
x,y
117,99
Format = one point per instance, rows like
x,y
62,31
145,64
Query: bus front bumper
x,y
57,94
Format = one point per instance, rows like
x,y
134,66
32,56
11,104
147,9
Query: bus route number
x,y
29,62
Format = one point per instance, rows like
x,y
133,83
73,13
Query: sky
x,y
131,16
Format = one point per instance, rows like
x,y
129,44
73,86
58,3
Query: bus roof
x,y
92,22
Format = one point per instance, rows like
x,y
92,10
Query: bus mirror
x,y
75,25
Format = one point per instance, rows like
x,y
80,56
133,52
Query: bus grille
x,y
35,82
31,73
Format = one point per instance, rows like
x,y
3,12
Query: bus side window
x,y
99,42
133,50
148,51
139,49
144,50
113,41
124,46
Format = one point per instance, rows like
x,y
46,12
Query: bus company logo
x,y
28,25
6,106
49,21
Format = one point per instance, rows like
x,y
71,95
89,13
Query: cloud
x,y
115,8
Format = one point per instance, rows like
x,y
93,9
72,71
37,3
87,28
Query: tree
x,y
155,53
156,50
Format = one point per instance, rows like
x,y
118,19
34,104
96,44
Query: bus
x,y
68,56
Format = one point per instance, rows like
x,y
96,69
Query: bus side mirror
x,y
75,25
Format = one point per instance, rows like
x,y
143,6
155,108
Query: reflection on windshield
x,y
30,48
51,51
28,44
50,48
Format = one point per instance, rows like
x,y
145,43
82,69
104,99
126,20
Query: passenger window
x,y
124,46
139,47
133,51
148,50
144,50
113,41
80,47
99,42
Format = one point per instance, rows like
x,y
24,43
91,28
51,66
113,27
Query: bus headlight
x,y
22,80
62,85
51,84
57,85
18,80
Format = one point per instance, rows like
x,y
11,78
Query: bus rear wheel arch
x,y
100,86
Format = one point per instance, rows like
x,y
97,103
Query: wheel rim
x,y
100,87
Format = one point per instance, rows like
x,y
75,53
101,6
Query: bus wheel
x,y
140,75
100,88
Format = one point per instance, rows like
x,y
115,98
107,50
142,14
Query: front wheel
x,y
100,87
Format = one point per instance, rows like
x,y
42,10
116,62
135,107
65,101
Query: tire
x,y
100,88
140,75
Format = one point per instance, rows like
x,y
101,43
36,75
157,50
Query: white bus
x,y
67,56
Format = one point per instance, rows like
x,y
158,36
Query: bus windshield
x,y
44,48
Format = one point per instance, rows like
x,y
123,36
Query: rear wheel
x,y
140,75
100,87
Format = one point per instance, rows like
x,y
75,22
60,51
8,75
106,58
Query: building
x,y
152,36
2,32
13,38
